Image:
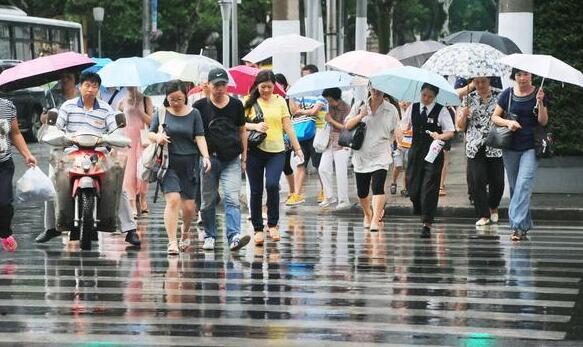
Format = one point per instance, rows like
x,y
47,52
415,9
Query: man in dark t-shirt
x,y
223,119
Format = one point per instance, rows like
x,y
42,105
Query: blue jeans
x,y
228,173
269,165
520,169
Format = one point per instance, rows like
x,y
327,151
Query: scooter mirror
x,y
120,120
52,115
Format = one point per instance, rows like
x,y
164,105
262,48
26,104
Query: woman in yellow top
x,y
267,159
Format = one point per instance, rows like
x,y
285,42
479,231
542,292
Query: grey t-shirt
x,y
7,114
181,130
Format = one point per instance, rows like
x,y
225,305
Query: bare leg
x,y
365,204
171,214
188,212
444,170
299,177
133,206
290,183
378,205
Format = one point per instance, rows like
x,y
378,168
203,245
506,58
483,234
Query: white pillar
x,y
361,25
515,21
286,20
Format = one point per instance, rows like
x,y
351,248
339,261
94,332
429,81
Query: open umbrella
x,y
501,43
363,63
467,60
244,76
132,72
404,83
415,53
164,56
545,66
42,70
315,83
290,43
99,64
191,68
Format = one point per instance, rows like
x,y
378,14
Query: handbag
x,y
304,127
543,142
322,138
154,162
501,137
354,137
144,140
254,137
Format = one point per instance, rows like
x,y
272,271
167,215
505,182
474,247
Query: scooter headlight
x,y
86,140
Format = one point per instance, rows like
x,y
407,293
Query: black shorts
x,y
182,176
364,180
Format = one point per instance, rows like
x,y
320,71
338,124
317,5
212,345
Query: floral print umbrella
x,y
467,60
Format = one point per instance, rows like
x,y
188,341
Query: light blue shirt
x,y
73,117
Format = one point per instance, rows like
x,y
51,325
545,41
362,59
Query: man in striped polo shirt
x,y
89,114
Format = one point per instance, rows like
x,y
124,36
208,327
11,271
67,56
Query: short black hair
x,y
310,67
334,93
514,72
431,87
90,77
174,86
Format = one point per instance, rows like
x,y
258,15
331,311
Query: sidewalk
x,y
456,202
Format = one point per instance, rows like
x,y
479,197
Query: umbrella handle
x,y
541,85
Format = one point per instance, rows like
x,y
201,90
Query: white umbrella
x,y
545,66
363,63
290,43
191,68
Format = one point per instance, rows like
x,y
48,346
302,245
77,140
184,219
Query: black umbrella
x,y
501,43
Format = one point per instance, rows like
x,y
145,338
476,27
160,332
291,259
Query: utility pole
x,y
331,30
286,20
146,28
341,20
235,34
515,21
361,25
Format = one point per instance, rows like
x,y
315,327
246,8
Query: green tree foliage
x,y
557,31
473,15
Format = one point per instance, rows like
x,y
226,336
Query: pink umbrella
x,y
42,70
363,63
244,76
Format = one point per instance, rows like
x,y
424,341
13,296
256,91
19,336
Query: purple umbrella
x,y
42,70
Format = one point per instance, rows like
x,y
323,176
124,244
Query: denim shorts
x,y
182,176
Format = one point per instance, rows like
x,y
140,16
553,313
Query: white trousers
x,y
335,160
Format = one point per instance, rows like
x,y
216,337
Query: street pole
x,y
98,14
235,34
331,30
286,20
341,21
146,28
515,21
226,15
361,25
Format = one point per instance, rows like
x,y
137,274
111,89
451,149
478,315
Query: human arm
x,y
336,124
463,114
289,130
202,147
543,112
354,120
153,135
20,144
446,124
149,110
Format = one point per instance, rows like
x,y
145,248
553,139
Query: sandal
x,y
173,248
258,238
393,188
442,191
516,236
274,233
9,243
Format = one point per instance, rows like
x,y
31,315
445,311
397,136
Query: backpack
x,y
223,136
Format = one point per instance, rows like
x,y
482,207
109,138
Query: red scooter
x,y
88,177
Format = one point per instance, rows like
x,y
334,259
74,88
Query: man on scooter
x,y
88,113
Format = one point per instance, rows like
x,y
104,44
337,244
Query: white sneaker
x,y
199,220
239,242
328,202
209,244
343,206
494,217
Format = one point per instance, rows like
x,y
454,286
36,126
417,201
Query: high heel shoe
x,y
274,233
258,238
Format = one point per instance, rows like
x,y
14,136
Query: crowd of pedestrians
x,y
213,139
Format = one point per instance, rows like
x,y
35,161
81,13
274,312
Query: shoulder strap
x,y
161,118
258,112
113,96
144,101
510,99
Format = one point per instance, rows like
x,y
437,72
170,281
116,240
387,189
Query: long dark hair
x,y
262,76
175,86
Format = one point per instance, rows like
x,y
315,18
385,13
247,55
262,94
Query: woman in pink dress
x,y
138,110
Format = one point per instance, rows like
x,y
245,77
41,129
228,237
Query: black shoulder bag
x,y
543,139
501,137
354,137
254,137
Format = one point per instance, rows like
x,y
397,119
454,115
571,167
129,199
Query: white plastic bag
x,y
322,138
34,186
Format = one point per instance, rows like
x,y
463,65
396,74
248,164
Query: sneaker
x,y
239,242
494,217
483,222
199,220
425,232
209,244
321,196
343,206
328,202
295,200
9,243
405,193
393,188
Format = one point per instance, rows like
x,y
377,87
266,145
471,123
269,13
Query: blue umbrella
x,y
314,84
99,64
404,83
132,72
